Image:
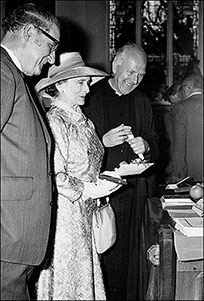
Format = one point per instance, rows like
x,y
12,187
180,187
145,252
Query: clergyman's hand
x,y
139,145
116,136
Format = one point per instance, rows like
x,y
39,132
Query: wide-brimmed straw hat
x,y
71,66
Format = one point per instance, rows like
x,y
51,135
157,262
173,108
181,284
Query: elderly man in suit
x,y
188,130
31,37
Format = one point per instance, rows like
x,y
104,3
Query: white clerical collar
x,y
116,92
13,57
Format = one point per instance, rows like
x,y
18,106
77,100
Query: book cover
x,y
174,206
177,198
176,202
183,189
182,213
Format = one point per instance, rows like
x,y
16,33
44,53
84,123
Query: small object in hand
x,y
139,161
130,136
141,156
136,161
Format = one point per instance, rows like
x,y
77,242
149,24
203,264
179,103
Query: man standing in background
x,y
188,131
30,41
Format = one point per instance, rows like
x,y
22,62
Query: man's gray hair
x,y
29,13
196,80
122,51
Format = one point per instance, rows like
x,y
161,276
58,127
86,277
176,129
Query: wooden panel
x,y
87,30
178,280
189,280
167,264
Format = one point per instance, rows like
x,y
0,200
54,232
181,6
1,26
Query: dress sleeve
x,y
68,186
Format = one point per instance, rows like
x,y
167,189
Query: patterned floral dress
x,y
75,273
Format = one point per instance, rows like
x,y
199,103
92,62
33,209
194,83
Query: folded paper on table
x,y
198,207
132,168
198,211
171,186
175,186
190,226
194,251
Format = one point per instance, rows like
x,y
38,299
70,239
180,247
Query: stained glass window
x,y
154,33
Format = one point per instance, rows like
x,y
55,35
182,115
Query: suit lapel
x,y
45,130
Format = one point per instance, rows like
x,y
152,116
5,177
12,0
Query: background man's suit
x,y
188,137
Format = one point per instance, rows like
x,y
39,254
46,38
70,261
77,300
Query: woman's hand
x,y
101,188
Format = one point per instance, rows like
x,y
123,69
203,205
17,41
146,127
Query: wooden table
x,y
176,279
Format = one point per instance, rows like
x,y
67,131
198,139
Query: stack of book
x,y
186,214
176,201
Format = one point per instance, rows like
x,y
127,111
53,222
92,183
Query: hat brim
x,y
95,75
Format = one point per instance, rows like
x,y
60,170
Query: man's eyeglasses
x,y
54,46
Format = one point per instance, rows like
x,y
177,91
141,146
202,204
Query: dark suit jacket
x,y
25,167
188,137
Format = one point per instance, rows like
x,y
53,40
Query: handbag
x,y
104,228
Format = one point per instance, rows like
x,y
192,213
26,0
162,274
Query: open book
x,y
190,226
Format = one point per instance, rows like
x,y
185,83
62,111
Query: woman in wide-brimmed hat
x,y
75,273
